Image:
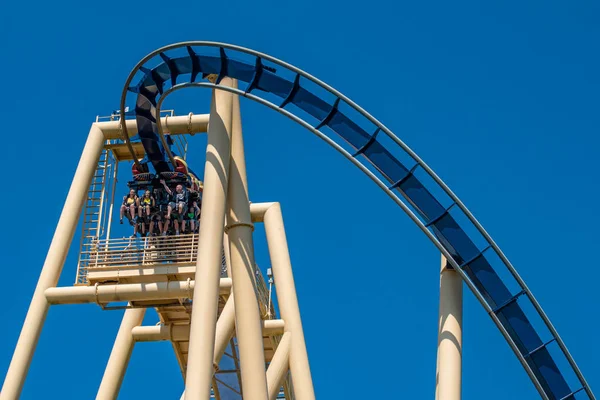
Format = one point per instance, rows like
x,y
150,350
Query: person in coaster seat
x,y
130,203
155,221
146,204
177,219
159,212
138,225
179,200
191,216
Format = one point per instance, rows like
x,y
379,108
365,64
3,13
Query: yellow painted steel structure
x,y
160,273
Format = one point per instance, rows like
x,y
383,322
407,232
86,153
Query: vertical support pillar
x,y
288,302
120,355
239,229
208,266
449,361
55,259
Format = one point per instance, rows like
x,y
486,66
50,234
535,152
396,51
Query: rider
x,y
146,204
137,225
179,200
192,216
155,220
129,202
158,215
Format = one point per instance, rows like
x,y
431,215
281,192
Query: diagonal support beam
x,y
287,299
225,331
120,355
279,366
53,265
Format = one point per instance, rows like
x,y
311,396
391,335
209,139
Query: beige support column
x,y
157,333
120,355
127,292
181,333
57,253
449,361
208,267
279,366
241,248
225,331
226,322
288,302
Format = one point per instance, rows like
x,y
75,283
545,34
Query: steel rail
x,y
394,197
399,142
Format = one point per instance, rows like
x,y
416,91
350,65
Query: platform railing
x,y
131,252
180,250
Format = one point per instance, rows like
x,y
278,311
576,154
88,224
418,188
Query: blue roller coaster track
x,y
390,163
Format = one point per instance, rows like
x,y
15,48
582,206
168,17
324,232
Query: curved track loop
x,y
410,183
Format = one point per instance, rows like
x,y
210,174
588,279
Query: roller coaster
x,y
228,70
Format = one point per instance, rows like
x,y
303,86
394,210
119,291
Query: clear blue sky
x,y
500,99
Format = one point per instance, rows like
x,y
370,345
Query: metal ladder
x,y
92,227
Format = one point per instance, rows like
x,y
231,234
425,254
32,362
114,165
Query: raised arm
x,y
166,187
